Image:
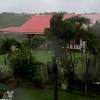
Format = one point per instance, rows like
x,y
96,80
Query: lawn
x,y
22,93
47,94
13,19
41,55
45,56
30,93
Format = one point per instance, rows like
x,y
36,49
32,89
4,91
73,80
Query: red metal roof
x,y
38,23
35,25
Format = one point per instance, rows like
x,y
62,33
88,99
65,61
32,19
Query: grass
x,y
2,60
12,19
47,94
30,93
42,55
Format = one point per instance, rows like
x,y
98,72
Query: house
x,y
37,24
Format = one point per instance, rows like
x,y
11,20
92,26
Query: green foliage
x,y
93,68
56,23
48,94
26,67
96,29
92,43
81,25
23,63
12,19
7,44
38,79
37,41
68,69
80,20
5,72
67,29
42,55
41,75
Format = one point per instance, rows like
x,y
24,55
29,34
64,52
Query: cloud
x,y
32,6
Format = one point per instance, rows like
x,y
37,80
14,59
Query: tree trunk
x,y
55,78
86,75
82,55
70,52
74,52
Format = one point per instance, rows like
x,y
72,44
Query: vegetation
x,y
37,41
69,31
45,61
41,94
22,63
8,44
12,19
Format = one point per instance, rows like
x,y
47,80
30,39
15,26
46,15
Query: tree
x,y
37,41
68,30
22,64
55,23
74,28
55,73
6,46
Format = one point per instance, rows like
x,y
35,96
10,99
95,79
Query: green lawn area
x,y
45,56
41,55
47,94
30,93
13,19
22,93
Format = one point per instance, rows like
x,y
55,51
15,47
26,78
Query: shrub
x,y
37,41
40,77
5,73
23,63
7,44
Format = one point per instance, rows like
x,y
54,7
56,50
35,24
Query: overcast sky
x,y
37,6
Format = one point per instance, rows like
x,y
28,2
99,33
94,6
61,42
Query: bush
x,y
7,44
40,76
5,73
22,63
37,41
3,89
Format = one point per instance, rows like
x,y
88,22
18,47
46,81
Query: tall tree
x,y
67,30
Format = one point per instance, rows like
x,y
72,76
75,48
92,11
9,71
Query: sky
x,y
39,6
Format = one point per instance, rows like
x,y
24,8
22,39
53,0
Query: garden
x,y
46,67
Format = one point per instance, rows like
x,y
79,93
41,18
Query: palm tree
x,y
82,26
72,29
56,23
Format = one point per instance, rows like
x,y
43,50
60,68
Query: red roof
x,y
38,23
35,25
